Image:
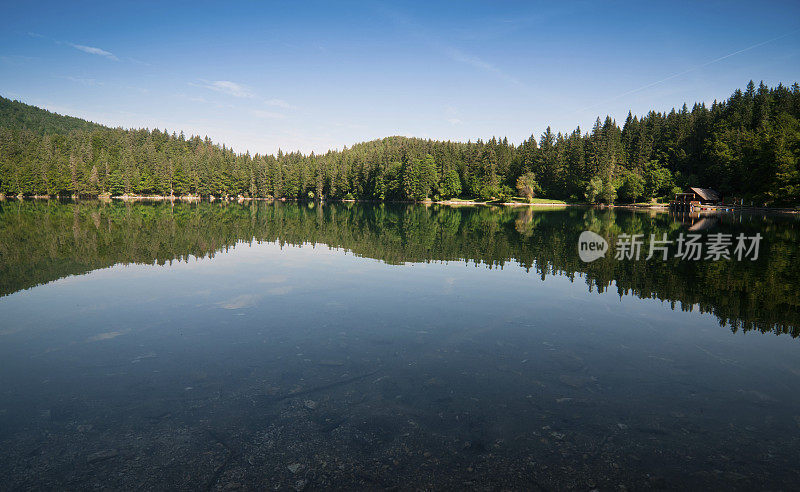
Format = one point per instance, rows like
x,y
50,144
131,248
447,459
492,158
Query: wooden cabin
x,y
693,198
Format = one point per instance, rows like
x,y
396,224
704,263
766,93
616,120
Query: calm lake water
x,y
304,346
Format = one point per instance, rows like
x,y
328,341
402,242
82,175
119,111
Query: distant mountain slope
x,y
15,114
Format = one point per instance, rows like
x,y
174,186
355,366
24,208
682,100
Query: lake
x,y
305,346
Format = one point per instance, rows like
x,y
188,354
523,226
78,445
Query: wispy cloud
x,y
16,59
140,90
452,115
278,103
266,114
438,42
242,91
196,99
84,81
461,57
94,51
688,70
228,87
139,62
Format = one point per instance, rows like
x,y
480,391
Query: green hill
x,y
16,114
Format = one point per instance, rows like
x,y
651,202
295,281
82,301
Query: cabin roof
x,y
706,194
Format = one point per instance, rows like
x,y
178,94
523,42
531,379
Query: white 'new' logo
x,y
591,246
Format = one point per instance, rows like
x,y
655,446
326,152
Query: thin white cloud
x,y
278,103
16,59
452,115
140,90
438,43
196,99
228,87
461,57
242,91
84,81
139,62
266,114
684,72
94,51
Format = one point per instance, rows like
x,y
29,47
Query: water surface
x,y
300,346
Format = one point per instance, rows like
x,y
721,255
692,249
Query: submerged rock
x,y
102,455
330,363
576,381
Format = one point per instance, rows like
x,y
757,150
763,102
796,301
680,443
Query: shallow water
x,y
359,346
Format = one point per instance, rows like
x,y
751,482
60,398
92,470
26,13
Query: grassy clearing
x,y
519,199
478,200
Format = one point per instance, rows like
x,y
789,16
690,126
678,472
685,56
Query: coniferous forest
x,y
747,147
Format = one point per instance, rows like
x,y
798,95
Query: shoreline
x,y
240,199
452,203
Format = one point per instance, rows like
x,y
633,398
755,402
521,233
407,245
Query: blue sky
x,y
318,75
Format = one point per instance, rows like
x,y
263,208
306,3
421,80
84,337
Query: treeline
x,y
746,147
41,241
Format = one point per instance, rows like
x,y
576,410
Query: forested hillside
x,y
21,116
747,146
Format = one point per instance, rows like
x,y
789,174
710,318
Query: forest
x,y
746,147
